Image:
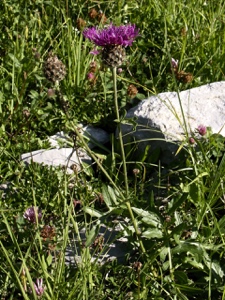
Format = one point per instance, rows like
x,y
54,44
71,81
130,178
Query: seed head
x,y
93,13
132,91
54,69
136,171
80,23
184,77
113,55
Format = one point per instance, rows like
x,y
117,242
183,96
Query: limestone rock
x,y
160,121
93,135
62,155
58,157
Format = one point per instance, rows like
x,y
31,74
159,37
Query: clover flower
x,y
191,141
32,214
113,39
38,287
202,130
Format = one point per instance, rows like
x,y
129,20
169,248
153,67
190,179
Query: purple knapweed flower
x,y
123,35
38,287
202,130
32,214
174,63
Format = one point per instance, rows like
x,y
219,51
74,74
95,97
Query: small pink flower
x,y
90,76
202,130
38,287
32,214
119,70
174,63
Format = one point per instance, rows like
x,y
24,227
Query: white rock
x,y
57,157
62,155
160,116
58,139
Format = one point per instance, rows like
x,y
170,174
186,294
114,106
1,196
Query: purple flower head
x,y
38,287
32,214
174,63
123,35
202,130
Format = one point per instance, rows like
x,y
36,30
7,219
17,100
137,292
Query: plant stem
x,y
120,131
137,231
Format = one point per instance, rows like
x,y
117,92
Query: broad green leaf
x,y
149,218
152,233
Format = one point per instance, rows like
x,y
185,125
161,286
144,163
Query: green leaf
x,y
92,212
109,196
177,204
181,277
220,226
149,218
15,60
49,260
152,233
90,237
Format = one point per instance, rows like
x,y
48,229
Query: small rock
x,y
57,157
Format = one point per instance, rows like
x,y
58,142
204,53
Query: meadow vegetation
x,y
172,215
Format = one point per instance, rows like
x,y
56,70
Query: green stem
x,y
120,131
124,162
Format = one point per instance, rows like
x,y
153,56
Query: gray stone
x,y
58,157
62,155
160,122
94,136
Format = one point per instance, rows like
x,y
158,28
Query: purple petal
x,y
112,35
